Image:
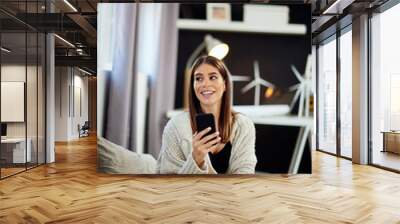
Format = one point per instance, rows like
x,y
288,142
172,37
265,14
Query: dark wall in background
x,y
274,53
274,149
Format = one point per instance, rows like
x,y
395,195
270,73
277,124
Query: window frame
x,y
335,36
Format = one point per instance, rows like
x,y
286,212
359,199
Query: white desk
x,y
277,115
18,145
262,110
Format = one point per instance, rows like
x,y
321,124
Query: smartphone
x,y
204,121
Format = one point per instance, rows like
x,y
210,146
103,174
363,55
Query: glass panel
x,y
327,96
13,87
41,99
385,89
346,94
22,88
31,100
31,86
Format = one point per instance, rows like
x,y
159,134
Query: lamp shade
x,y
215,47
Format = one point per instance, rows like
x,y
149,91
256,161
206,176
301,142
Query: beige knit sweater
x,y
176,150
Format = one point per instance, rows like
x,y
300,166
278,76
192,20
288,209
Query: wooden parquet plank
x,y
71,191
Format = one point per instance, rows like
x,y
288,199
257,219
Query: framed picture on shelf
x,y
219,12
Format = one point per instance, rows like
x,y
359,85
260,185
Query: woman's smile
x,y
207,93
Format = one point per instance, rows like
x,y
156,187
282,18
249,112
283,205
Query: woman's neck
x,y
213,109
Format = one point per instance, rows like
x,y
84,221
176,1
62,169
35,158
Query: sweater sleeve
x,y
172,159
244,159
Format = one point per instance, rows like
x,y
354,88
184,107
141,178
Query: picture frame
x,y
218,12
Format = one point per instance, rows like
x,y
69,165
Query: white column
x,y
50,99
360,90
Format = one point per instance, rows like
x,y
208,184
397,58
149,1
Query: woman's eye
x,y
198,78
213,77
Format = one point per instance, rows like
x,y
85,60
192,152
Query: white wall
x,y
33,126
80,83
14,73
69,82
17,73
61,103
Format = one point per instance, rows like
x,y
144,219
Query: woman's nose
x,y
205,82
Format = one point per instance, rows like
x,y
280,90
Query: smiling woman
x,y
187,150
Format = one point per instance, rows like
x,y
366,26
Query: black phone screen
x,y
204,121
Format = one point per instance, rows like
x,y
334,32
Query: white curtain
x,y
143,41
159,62
119,87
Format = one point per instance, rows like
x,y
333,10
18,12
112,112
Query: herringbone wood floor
x,y
70,191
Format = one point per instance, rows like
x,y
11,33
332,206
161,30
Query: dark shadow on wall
x,y
274,149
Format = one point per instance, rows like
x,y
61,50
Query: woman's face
x,y
209,85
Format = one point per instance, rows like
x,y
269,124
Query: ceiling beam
x,y
337,7
84,24
85,61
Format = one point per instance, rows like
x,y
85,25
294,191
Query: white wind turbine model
x,y
237,78
257,82
303,89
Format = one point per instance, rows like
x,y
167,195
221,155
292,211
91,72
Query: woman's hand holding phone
x,y
203,143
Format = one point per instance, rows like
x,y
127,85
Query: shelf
x,y
266,115
235,26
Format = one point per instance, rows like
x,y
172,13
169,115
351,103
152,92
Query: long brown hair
x,y
227,115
